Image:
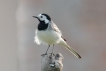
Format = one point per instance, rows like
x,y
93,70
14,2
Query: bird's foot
x,y
44,54
52,54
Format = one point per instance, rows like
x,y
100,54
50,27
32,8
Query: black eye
x,y
41,16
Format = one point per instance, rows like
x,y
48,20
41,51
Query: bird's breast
x,y
48,37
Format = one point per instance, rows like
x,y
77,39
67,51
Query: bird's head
x,y
43,18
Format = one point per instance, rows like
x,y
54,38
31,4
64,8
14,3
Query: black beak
x,y
35,16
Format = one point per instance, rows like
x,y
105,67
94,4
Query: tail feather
x,y
69,48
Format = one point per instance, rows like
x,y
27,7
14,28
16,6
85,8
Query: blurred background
x,y
83,23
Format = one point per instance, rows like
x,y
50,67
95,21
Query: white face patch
x,y
43,18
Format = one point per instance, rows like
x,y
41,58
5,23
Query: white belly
x,y
48,37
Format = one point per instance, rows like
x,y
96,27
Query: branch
x,y
52,62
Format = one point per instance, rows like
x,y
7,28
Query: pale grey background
x,y
83,23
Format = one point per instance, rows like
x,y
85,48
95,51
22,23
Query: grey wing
x,y
55,28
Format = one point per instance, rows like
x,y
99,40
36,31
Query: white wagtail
x,y
48,33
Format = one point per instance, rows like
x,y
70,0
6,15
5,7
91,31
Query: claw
x,y
44,54
52,54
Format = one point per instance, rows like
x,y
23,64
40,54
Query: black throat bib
x,y
42,26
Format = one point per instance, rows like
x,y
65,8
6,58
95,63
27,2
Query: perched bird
x,y
48,33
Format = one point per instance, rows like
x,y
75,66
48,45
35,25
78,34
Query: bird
x,y
49,34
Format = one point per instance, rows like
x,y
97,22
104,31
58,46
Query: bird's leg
x,y
52,50
47,50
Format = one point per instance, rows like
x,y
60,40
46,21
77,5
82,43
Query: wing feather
x,y
55,28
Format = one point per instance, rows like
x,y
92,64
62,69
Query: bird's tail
x,y
62,42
